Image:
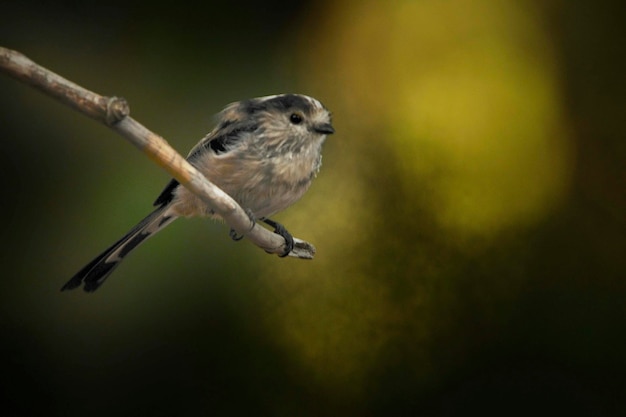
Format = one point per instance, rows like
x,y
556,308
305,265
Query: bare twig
x,y
114,112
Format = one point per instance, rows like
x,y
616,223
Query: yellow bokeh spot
x,y
468,96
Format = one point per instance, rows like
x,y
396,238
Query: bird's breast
x,y
264,185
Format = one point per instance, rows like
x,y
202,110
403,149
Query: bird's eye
x,y
295,118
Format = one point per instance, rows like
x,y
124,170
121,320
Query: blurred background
x,y
469,216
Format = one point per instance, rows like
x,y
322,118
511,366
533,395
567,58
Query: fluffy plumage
x,y
264,152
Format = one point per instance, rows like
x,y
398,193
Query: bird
x,y
264,152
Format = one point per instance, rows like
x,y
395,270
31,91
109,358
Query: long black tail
x,y
96,271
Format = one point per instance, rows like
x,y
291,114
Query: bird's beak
x,y
324,128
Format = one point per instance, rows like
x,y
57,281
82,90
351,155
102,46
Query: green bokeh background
x,y
469,216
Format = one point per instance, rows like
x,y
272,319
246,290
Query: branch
x,y
114,113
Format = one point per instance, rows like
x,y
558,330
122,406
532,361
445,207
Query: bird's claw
x,y
282,231
233,233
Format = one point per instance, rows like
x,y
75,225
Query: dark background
x,y
469,216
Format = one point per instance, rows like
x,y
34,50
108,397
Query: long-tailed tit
x,y
264,152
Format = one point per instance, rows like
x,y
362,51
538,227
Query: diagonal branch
x,y
114,112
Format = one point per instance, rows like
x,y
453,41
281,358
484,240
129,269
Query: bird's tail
x,y
96,271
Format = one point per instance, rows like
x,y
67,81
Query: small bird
x,y
264,153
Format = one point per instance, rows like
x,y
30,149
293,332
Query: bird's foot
x,y
281,230
233,234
